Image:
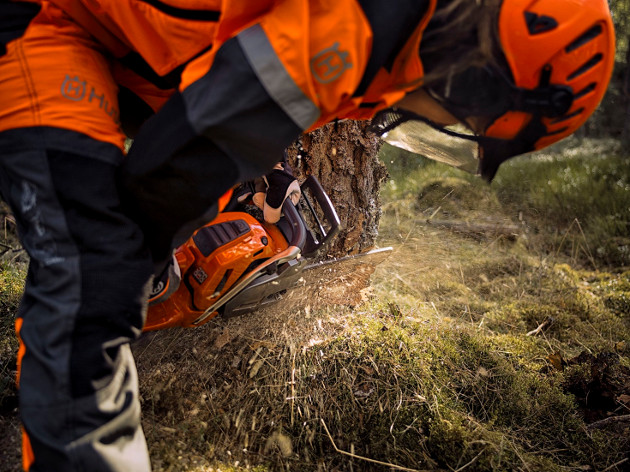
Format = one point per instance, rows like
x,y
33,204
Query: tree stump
x,y
343,157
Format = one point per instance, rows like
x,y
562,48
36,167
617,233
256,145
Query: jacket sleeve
x,y
256,93
294,66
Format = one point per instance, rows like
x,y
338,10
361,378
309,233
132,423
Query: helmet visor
x,y
449,145
454,145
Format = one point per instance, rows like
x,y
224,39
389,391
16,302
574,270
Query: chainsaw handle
x,y
324,217
295,221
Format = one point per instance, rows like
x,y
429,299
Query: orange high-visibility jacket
x,y
326,47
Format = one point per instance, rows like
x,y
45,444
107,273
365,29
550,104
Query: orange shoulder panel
x,y
324,46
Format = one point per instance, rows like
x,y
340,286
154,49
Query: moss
x,y
465,398
437,372
11,286
615,291
584,202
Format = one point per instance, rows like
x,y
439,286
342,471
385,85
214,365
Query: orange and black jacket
x,y
346,57
249,77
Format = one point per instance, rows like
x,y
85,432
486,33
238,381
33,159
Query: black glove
x,y
269,192
279,185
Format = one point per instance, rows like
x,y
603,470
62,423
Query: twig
x,y
18,253
515,449
434,213
606,421
367,459
469,463
615,465
588,249
566,233
543,325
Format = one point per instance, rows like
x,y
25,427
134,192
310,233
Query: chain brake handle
x,y
323,221
322,214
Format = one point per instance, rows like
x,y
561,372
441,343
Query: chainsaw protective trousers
x,y
83,302
84,299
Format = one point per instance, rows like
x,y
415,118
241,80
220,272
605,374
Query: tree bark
x,y
343,158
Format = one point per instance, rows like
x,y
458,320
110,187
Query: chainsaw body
x,y
237,264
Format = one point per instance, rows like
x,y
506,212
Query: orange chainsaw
x,y
238,263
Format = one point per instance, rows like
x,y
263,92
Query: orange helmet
x,y
561,43
556,61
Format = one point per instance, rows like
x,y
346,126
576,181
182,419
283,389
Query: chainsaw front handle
x,y
322,213
296,223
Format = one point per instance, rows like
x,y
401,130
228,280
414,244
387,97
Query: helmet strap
x,y
547,99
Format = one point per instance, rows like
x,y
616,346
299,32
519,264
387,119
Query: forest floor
x,y
495,336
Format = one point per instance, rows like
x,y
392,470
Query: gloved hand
x,y
269,192
274,189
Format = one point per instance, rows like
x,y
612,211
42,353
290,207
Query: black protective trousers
x,y
84,301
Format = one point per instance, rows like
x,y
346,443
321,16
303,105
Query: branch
x,y
615,465
607,421
500,229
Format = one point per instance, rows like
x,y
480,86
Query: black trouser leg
x,y
84,302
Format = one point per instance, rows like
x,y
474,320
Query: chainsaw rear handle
x,y
292,252
303,241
